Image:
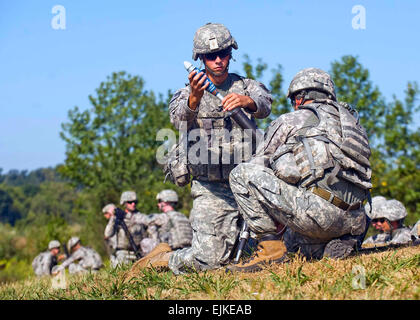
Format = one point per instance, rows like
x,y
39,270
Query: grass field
x,y
391,275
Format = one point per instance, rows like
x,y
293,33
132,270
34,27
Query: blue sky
x,y
45,72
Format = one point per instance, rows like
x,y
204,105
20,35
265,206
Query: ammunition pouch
x,y
284,165
176,166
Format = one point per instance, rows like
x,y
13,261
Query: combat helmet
x,y
312,78
167,196
376,203
53,244
128,196
393,210
108,208
72,242
212,37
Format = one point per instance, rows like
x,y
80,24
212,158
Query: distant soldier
x,y
82,259
415,231
111,242
170,226
45,261
136,223
388,217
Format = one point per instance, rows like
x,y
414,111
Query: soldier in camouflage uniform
x,y
82,259
214,216
45,261
415,231
136,223
388,217
170,226
111,242
308,180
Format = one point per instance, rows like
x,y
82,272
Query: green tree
x,y
13,204
392,132
280,104
352,85
112,146
400,152
54,198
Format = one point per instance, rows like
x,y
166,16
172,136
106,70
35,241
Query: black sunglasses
x,y
135,201
221,54
381,220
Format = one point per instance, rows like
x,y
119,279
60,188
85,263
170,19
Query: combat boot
x,y
157,258
339,249
158,251
159,261
268,252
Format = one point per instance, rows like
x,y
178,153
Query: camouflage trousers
x,y
77,268
264,201
214,220
121,257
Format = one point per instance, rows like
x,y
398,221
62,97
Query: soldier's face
x,y
130,205
55,251
217,65
381,224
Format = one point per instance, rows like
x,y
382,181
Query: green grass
x,y
386,275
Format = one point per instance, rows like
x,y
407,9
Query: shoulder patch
x,y
175,96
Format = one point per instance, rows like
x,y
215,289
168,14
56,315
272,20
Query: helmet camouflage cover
x,y
393,210
311,78
212,37
53,244
376,202
128,196
167,196
72,242
108,208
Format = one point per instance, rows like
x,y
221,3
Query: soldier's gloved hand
x,y
197,88
234,100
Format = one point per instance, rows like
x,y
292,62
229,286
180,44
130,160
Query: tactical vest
x,y
212,120
138,232
179,230
338,143
331,141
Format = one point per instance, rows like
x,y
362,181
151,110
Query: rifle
x,y
385,247
243,238
66,251
245,123
119,220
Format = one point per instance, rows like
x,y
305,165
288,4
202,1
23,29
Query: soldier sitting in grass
x,y
82,259
45,261
388,217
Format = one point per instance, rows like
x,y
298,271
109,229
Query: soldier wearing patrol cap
x,y
388,216
170,226
136,223
82,259
45,261
214,217
305,188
